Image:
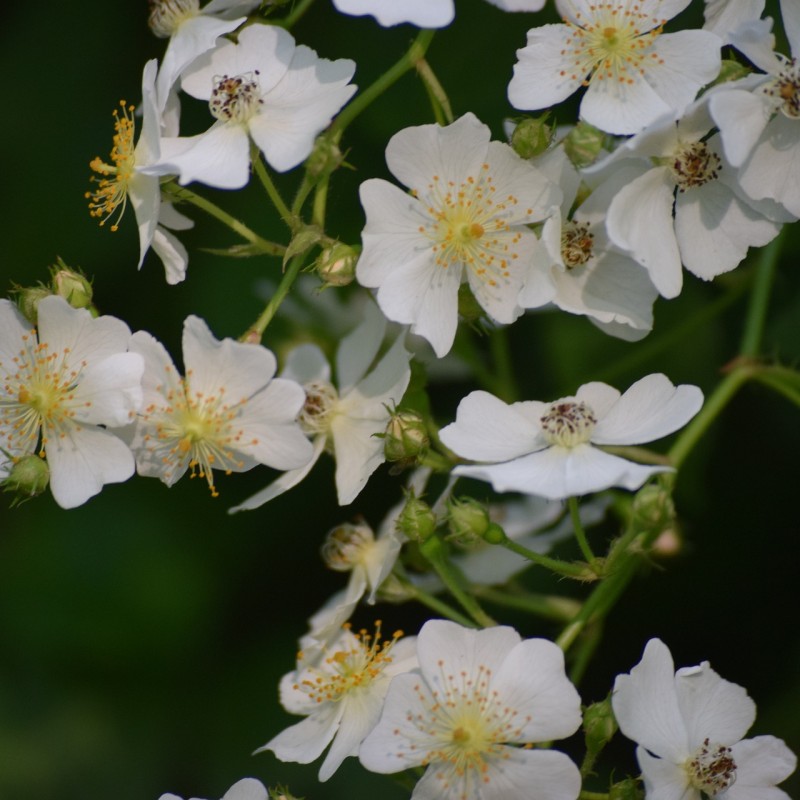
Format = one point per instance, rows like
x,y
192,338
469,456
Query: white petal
x,y
172,254
246,789
84,461
110,390
305,741
358,349
712,708
283,483
533,682
664,779
640,221
423,13
651,408
741,117
543,77
761,763
358,454
306,363
487,429
646,705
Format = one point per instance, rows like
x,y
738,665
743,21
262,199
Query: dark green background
x,y
142,636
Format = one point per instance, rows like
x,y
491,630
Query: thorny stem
x,y
187,195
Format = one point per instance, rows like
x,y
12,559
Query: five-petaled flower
x,y
689,726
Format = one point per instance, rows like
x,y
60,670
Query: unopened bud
x,y
653,508
28,477
28,299
599,726
467,519
282,793
325,157
336,264
417,520
629,789
406,437
345,545
532,136
72,285
583,144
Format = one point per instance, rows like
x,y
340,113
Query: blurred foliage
x,y
143,635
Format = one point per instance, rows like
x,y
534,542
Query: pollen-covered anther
x,y
694,165
112,185
345,546
785,89
235,98
576,244
321,399
166,16
568,423
354,664
711,769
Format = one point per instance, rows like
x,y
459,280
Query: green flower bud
x,y
468,307
629,789
494,534
406,437
653,508
583,144
28,298
282,793
325,157
467,519
599,726
336,264
28,477
532,136
72,285
417,520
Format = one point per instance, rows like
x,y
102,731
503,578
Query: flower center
x,y
469,225
567,424
317,412
576,244
112,188
235,99
614,43
463,728
166,16
693,165
39,394
356,661
196,428
785,89
347,545
711,769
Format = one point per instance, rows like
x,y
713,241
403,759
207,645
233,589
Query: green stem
x,y
187,195
436,93
580,533
558,609
408,62
272,190
565,568
434,551
759,297
296,13
435,461
586,649
712,407
593,796
780,379
435,604
256,330
320,202
501,354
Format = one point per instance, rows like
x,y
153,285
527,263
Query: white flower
x,y
577,267
477,695
422,13
192,31
245,789
228,413
759,117
714,222
689,726
266,88
723,17
550,449
60,388
341,697
466,218
345,419
635,73
123,181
